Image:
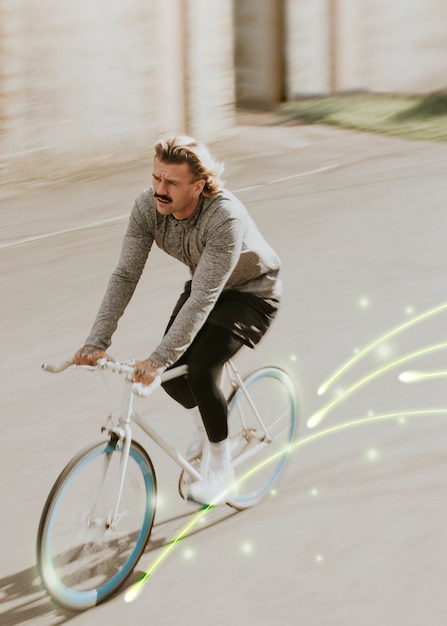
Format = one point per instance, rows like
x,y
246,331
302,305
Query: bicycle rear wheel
x,y
83,558
261,432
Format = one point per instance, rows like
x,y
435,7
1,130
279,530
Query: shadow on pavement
x,y
23,598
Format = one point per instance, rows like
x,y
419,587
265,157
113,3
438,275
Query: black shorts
x,y
245,315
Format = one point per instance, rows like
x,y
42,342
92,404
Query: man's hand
x,y
146,372
90,355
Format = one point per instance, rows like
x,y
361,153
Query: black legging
x,y
205,357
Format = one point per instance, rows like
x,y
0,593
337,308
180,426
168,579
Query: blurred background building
x,y
97,81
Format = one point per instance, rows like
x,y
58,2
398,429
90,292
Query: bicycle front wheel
x,y
262,426
84,551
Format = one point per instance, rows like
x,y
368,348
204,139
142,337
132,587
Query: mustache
x,y
162,197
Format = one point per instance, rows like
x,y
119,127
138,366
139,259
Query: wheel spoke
x,y
83,556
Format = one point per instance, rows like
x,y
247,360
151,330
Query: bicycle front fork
x,y
122,432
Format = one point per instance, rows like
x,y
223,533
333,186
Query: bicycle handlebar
x,y
57,369
121,368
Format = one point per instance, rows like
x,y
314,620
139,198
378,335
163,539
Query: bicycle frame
x,y
123,431
99,514
128,414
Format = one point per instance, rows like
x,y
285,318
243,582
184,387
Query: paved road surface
x,y
355,535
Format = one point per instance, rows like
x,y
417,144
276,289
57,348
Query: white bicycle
x,y
99,514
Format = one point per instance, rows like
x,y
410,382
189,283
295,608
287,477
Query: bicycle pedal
x,y
185,479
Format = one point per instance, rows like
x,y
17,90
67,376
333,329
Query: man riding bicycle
x,y
230,301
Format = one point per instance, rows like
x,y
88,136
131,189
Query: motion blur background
x,y
94,82
356,536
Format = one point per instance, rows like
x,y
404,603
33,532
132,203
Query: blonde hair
x,y
201,162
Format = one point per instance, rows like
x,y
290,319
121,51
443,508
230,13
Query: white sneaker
x,y
218,484
216,489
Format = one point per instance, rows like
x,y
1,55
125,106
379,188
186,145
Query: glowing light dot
x,y
247,548
314,492
339,393
402,420
364,303
161,501
372,454
293,357
273,492
319,558
384,351
189,554
370,413
409,310
356,350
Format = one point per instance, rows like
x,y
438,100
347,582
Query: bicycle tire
x,y
273,394
81,560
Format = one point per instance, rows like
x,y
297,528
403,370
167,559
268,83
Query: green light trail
x,y
135,589
133,592
317,417
395,331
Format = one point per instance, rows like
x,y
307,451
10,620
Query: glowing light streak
x,y
415,376
133,592
317,417
394,331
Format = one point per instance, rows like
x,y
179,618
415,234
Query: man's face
x,y
175,191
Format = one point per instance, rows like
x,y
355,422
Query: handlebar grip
x,y
57,369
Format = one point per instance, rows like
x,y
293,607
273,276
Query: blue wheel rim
x,y
92,597
285,380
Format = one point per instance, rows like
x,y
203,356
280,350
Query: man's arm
x,y
134,252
